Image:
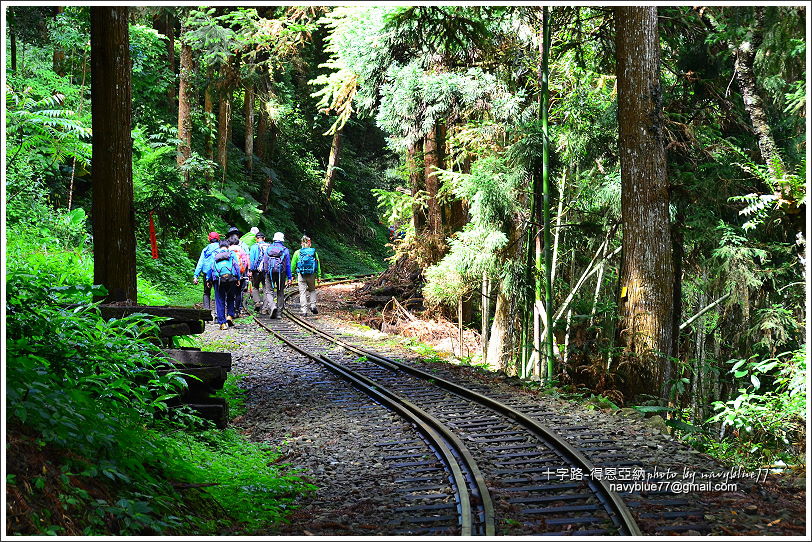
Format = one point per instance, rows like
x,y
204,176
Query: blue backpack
x,y
306,265
223,268
263,247
272,260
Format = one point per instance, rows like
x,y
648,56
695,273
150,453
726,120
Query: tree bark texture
x,y
335,153
457,210
432,156
261,144
111,97
417,184
744,57
12,34
647,273
223,122
249,128
208,109
184,103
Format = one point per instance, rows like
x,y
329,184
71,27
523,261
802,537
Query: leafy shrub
x,y
769,414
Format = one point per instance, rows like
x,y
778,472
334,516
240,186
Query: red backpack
x,y
242,258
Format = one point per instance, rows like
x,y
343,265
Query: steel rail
x,y
622,516
440,436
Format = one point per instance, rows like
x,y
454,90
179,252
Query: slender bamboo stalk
x,y
693,318
588,272
545,181
558,219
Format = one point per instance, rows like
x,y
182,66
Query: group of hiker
x,y
233,265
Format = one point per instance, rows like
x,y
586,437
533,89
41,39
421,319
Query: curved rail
x,y
454,453
621,516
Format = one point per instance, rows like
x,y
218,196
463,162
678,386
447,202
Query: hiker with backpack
x,y
258,272
277,265
308,271
250,238
203,266
224,276
241,250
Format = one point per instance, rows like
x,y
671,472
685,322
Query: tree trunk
x,y
486,309
261,150
335,152
58,60
12,34
208,109
164,23
113,212
431,158
744,55
647,274
457,215
184,104
499,351
417,184
223,122
249,128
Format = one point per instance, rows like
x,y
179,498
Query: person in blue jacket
x,y
224,276
277,258
258,272
203,266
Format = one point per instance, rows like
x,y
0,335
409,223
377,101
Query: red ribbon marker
x,y
152,240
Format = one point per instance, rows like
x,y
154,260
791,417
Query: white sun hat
x,y
279,236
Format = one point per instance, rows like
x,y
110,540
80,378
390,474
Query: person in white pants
x,y
308,272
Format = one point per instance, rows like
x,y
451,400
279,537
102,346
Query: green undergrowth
x,y
244,477
94,446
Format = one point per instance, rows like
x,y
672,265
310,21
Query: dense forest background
x,y
500,140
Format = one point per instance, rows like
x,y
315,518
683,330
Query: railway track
x,y
480,466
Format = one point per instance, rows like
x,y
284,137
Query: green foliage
x,y
234,394
769,414
246,478
491,188
395,206
43,133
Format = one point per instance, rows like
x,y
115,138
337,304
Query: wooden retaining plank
x,y
176,313
195,358
211,377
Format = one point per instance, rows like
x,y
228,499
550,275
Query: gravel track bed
x,y
336,441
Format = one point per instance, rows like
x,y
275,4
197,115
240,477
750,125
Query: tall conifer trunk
x,y
111,96
432,160
417,184
249,127
745,55
647,273
12,34
184,103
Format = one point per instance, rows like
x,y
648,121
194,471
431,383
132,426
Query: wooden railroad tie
x,y
204,372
